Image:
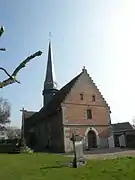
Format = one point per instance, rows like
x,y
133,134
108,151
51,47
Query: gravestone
x,y
79,149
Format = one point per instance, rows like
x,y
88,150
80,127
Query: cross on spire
x,y
50,36
84,69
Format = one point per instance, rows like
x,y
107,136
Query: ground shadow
x,y
57,166
52,167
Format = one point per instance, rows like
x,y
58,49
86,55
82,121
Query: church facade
x,y
78,107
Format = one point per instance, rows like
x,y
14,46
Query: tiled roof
x,y
122,126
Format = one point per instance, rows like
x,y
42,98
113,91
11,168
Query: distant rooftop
x,y
122,126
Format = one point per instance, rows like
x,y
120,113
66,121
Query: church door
x,y
92,140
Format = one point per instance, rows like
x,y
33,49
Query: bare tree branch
x,y
22,65
1,68
2,49
1,30
12,78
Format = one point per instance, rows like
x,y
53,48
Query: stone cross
x,y
77,149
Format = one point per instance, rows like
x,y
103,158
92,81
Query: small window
x,y
93,98
81,96
89,114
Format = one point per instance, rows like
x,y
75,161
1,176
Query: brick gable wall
x,y
75,110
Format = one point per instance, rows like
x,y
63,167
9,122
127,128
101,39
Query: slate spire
x,y
50,87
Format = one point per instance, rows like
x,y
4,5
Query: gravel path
x,y
111,155
108,153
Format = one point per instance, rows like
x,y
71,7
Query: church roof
x,y
28,114
58,98
56,101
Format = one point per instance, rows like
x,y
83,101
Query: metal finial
x,y
84,69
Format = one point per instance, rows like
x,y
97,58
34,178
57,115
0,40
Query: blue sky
x,y
98,34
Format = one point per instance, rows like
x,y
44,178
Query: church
x,y
78,107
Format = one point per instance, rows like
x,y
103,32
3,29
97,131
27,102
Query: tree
x,y
12,78
13,132
5,111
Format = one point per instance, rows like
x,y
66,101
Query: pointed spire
x,y
50,74
50,86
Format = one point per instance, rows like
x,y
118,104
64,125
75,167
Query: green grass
x,y
46,167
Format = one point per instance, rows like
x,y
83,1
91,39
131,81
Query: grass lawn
x,y
45,167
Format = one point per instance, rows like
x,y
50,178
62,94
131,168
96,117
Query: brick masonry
x,y
75,112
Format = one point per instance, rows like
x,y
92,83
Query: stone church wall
x,y
48,134
41,133
101,136
55,132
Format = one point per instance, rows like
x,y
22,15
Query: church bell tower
x,y
50,86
